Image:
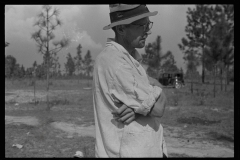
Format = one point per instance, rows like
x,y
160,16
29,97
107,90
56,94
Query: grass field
x,y
210,119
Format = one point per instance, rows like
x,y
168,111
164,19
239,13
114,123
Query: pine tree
x,y
154,53
47,22
169,63
88,64
78,60
226,31
154,57
222,33
198,27
22,71
10,63
70,66
213,52
191,58
16,71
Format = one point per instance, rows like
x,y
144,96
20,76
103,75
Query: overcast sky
x,y
83,24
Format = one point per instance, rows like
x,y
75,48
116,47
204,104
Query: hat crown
x,y
127,13
122,7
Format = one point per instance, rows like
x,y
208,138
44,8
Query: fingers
x,y
120,110
124,114
127,110
128,117
129,120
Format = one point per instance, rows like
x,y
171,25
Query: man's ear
x,y
120,29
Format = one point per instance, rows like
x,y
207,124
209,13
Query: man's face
x,y
135,36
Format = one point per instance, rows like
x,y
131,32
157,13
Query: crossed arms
x,y
126,114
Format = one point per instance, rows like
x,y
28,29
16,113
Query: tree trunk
x,y
226,78
214,82
34,88
48,107
78,77
203,64
88,81
48,56
203,72
191,83
221,74
228,81
192,86
12,79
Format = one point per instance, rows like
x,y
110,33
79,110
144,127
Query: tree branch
x,y
56,49
41,27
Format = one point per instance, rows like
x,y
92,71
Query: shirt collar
x,y
111,41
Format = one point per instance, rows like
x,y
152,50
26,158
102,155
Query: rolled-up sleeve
x,y
127,89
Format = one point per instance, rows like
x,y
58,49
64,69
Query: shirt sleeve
x,y
126,89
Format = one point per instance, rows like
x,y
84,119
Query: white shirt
x,y
118,78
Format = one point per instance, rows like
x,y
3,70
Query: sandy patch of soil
x,y
196,149
32,121
190,146
75,129
26,96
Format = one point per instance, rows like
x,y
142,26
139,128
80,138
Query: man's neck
x,y
123,43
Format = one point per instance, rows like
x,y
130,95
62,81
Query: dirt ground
x,y
179,141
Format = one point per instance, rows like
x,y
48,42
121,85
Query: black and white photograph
x,y
119,80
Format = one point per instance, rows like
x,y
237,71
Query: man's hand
x,y
124,114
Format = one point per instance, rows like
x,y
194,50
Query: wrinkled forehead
x,y
142,21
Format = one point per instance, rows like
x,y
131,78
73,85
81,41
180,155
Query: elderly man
x,y
127,105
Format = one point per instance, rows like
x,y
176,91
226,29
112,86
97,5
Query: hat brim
x,y
130,20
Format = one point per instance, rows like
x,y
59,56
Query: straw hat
x,y
127,13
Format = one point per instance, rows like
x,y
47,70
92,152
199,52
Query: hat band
x,y
121,15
